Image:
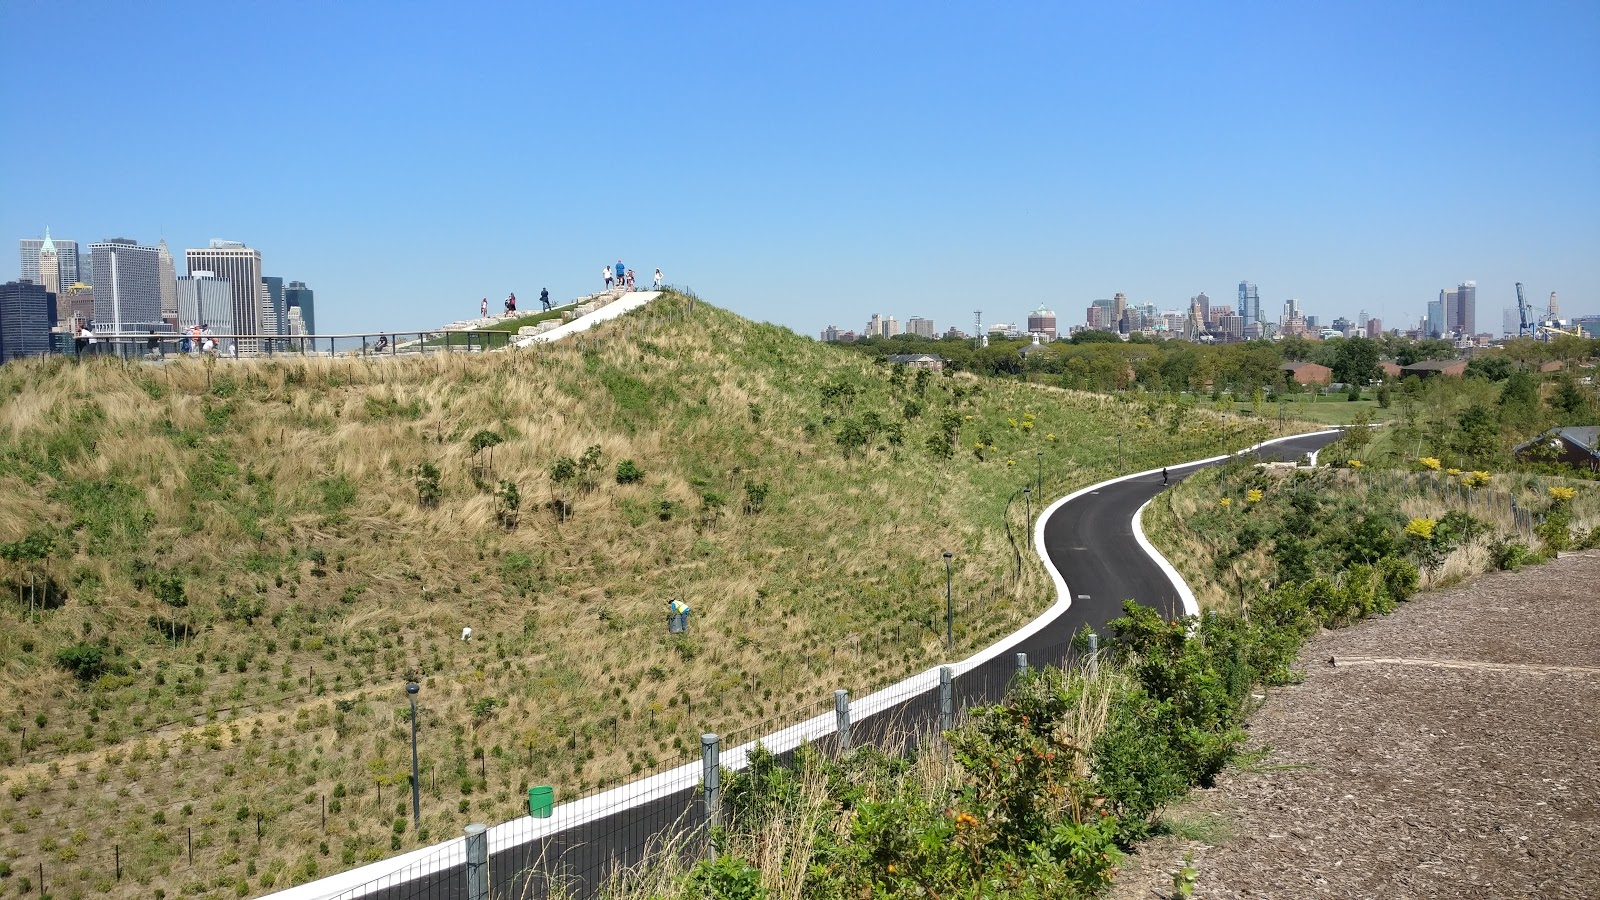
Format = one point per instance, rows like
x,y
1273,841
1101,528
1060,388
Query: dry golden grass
x,y
288,485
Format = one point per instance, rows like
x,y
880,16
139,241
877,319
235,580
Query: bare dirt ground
x,y
1452,751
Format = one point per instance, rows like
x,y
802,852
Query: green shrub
x,y
628,472
1509,555
84,660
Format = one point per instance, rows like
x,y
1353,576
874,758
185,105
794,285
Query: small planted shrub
x,y
628,472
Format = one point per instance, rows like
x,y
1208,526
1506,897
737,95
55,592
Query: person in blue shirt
x,y
621,271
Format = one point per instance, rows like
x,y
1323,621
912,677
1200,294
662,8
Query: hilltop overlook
x,y
219,575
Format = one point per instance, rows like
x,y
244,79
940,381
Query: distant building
x,y
917,361
298,296
1231,327
205,299
1374,328
1435,322
1307,372
1042,322
1390,368
168,274
955,333
1119,304
1555,305
1429,368
75,308
127,287
1573,445
67,264
1313,324
274,315
891,327
874,326
1093,317
1249,302
920,327
1460,309
830,335
1204,303
241,267
24,320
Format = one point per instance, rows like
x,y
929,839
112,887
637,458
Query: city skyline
x,y
892,177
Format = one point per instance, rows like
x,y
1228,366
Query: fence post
x,y
1022,663
947,709
477,862
1094,654
841,709
711,776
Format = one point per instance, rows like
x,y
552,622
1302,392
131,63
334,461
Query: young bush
x,y
628,472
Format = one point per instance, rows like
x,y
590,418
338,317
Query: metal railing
x,y
133,345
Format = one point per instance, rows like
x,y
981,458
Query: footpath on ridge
x,y
1450,749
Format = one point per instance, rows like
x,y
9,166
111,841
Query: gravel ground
x,y
1452,751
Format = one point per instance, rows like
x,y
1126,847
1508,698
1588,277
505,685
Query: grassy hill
x,y
217,576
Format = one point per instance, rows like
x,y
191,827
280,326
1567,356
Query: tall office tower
x,y
274,316
1510,321
49,266
1231,326
205,299
1361,321
829,335
241,266
874,326
66,260
1313,323
1119,304
919,326
1374,328
1205,306
169,282
1094,317
298,296
1435,326
891,327
1249,302
24,320
1465,304
127,287
1555,305
1291,310
1043,322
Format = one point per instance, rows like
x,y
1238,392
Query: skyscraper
x,y
298,296
1119,304
66,260
1043,322
1249,302
1205,307
127,286
169,282
274,316
49,266
919,326
241,266
1555,306
891,327
1461,309
24,320
1435,326
205,299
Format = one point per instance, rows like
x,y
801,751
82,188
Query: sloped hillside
x,y
218,576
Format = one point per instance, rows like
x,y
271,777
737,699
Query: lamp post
x,y
1039,455
949,608
416,783
1027,499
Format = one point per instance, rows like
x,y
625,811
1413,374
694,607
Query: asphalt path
x,y
1090,541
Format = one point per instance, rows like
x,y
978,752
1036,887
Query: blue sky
x,y
816,164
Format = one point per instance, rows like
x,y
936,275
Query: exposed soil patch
x,y
1456,755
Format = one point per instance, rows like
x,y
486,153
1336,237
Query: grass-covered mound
x,y
217,576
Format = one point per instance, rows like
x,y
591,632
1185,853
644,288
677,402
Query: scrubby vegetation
x,y
215,579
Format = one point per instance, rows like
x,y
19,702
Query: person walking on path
x,y
630,279
605,272
1163,474
511,305
621,271
544,298
658,279
483,310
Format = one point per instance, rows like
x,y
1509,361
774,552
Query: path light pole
x,y
1039,455
416,784
1027,499
949,609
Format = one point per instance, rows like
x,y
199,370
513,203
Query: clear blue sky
x,y
816,164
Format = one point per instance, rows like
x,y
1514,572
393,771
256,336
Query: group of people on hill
x,y
620,277
511,304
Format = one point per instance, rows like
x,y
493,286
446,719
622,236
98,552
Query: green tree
x,y
1356,362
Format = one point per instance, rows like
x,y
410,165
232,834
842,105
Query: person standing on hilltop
x,y
511,304
544,298
658,279
630,279
605,272
621,271
483,310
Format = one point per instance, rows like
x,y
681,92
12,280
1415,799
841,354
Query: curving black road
x,y
1089,540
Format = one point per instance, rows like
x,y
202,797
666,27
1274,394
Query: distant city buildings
x,y
205,300
1435,319
127,280
25,314
299,300
66,271
1460,310
240,266
1249,302
920,327
168,276
1042,322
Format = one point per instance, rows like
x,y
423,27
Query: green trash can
x,y
541,800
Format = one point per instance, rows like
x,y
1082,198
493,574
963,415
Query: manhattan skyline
x,y
801,167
